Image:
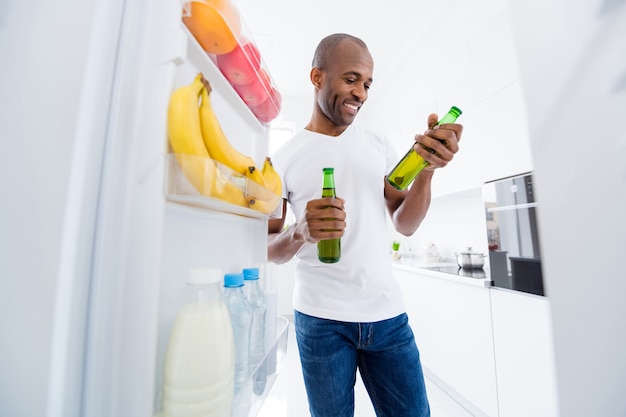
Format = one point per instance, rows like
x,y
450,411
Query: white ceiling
x,y
287,32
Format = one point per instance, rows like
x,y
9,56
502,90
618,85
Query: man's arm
x,y
282,245
409,207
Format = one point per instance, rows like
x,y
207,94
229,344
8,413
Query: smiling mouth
x,y
352,106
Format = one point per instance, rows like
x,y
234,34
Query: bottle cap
x,y
233,280
328,169
250,273
203,276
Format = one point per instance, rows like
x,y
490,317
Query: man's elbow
x,y
276,257
406,229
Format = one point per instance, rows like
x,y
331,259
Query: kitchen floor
x,y
287,397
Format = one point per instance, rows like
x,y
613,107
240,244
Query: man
x,y
350,314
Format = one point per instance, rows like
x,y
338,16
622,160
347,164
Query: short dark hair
x,y
326,47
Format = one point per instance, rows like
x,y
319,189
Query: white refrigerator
x,y
93,256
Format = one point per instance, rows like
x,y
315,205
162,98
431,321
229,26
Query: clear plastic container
x,y
204,182
256,299
198,369
276,355
220,31
241,319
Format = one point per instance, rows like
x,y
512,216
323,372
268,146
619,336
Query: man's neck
x,y
327,128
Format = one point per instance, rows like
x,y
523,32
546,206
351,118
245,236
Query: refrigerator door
x,y
142,246
574,69
94,248
104,329
61,86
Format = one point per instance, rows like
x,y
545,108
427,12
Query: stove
x,y
457,270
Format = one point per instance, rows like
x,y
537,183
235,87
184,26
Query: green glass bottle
x,y
412,163
329,251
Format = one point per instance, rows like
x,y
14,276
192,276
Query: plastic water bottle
x,y
256,298
198,373
241,320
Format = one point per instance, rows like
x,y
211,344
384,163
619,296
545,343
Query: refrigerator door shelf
x,y
198,60
248,404
222,36
270,366
203,182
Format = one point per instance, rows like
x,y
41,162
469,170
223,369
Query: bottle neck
x,y
252,288
233,290
328,192
328,187
329,181
206,293
449,117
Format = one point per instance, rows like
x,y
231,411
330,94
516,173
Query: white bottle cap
x,y
203,276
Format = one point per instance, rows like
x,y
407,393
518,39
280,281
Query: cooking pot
x,y
469,259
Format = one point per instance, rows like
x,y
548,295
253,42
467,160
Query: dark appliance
x,y
512,234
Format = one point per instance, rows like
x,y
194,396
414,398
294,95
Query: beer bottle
x,y
329,251
412,164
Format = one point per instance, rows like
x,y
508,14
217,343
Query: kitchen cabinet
x,y
451,321
489,348
522,336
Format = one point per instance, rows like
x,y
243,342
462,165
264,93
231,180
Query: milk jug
x,y
198,374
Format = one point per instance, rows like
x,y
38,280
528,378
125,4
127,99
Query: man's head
x,y
342,74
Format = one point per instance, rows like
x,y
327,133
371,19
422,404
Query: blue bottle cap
x,y
250,273
233,280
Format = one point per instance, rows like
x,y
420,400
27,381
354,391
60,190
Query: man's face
x,y
345,83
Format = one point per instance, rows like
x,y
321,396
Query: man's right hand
x,y
323,219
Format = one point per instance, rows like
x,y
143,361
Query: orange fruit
x,y
214,23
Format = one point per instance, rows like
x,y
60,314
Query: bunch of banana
x,y
268,202
185,137
218,145
221,150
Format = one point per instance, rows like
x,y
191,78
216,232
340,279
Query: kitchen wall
x,y
468,60
479,73
453,223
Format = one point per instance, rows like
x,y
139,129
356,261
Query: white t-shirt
x,y
360,287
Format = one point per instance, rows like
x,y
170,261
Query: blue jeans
x,y
385,354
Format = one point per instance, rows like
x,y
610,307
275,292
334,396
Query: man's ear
x,y
316,77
